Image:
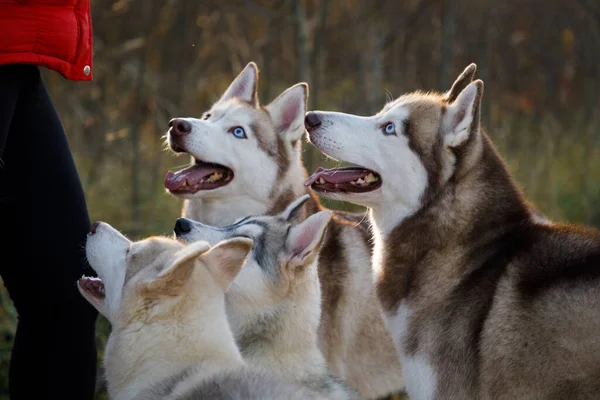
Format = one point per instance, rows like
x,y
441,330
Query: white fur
x,y
295,355
361,141
420,378
211,141
459,117
108,248
294,299
243,86
255,172
419,375
287,111
151,338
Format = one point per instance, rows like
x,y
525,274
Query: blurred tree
x,y
155,60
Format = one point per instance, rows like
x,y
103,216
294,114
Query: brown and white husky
x,y
485,300
246,161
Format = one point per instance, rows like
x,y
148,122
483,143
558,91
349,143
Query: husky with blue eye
x,y
246,160
485,298
274,304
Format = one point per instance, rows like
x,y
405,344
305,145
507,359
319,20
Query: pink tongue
x,y
193,175
339,175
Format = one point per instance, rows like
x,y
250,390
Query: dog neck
x,y
466,214
275,340
221,211
140,355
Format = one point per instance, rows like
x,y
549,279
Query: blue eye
x,y
389,129
239,132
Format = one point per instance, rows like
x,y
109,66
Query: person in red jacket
x,y
43,214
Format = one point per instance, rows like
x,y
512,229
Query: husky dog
x,y
484,299
246,161
274,304
170,338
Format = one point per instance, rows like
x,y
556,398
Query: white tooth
x,y
201,180
215,176
360,181
371,178
321,181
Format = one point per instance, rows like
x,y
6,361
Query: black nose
x,y
95,226
179,127
311,120
182,225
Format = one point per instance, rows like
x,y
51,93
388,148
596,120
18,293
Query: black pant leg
x,y
10,85
43,227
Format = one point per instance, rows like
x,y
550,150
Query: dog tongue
x,y
337,175
193,175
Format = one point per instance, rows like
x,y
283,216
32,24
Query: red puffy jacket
x,y
56,34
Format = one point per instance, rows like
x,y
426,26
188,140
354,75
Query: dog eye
x,y
206,116
389,129
239,132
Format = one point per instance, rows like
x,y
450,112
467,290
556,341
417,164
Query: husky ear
x,y
244,86
304,240
287,112
293,210
462,117
224,261
461,83
170,279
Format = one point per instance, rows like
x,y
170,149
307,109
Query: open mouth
x,y
92,286
344,180
199,176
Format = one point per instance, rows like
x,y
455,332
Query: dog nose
x,y
311,120
182,225
179,127
94,227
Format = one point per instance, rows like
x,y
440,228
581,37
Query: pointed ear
x,y
173,277
244,86
287,112
293,210
462,117
461,83
304,240
225,260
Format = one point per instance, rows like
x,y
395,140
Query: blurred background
x,y
154,60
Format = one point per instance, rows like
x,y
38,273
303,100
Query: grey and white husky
x,y
246,161
274,304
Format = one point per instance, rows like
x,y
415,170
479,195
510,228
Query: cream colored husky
x,y
170,338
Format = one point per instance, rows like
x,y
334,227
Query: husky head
x,y
284,254
146,280
238,147
405,153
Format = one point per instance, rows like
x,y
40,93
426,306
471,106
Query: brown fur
x,y
335,278
280,156
503,307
